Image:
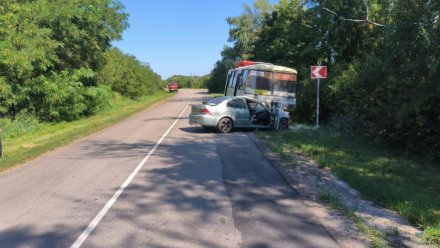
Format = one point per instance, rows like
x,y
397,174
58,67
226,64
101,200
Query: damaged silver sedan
x,y
229,112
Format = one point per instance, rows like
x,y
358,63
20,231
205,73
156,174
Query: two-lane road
x,y
154,181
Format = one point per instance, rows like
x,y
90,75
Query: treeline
x,y
383,59
56,62
128,76
195,82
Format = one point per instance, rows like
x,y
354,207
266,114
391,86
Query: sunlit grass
x,y
411,187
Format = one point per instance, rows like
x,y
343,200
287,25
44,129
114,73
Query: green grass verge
x,y
22,142
409,186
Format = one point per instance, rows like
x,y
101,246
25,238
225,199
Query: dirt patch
x,y
311,182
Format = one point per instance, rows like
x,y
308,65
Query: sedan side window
x,y
237,103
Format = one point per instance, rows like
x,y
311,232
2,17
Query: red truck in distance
x,y
173,86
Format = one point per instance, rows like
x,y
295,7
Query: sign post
x,y
318,72
317,104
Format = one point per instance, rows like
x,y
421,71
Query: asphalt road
x,y
121,188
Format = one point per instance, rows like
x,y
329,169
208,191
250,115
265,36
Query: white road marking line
x,y
85,234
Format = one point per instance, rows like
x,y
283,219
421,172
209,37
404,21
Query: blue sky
x,y
178,37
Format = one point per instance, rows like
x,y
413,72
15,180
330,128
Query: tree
x,y
84,30
288,37
243,32
383,59
396,94
128,76
217,79
50,52
244,28
20,37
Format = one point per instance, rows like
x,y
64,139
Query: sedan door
x,y
239,112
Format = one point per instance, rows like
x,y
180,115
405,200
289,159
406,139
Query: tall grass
x,y
409,186
23,123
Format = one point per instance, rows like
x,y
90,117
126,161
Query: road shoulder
x,y
312,183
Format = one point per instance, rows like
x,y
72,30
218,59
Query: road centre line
x,y
85,234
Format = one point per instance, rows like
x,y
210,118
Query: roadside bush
x,y
23,123
49,53
6,97
432,235
98,99
64,97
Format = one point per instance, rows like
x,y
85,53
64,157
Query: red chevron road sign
x,y
319,72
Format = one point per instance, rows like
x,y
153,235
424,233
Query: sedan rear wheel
x,y
224,125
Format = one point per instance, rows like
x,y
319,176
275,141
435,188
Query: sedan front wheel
x,y
224,125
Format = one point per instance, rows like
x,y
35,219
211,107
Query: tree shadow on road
x,y
29,236
199,190
186,193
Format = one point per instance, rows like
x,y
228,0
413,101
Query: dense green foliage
x,y
195,82
383,59
128,76
54,58
217,79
